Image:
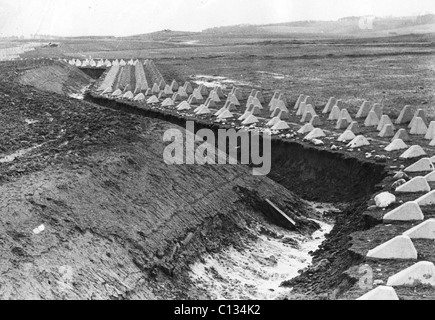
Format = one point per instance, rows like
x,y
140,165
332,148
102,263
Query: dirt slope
x,y
118,222
56,76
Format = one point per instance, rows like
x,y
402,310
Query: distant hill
x,y
348,26
163,35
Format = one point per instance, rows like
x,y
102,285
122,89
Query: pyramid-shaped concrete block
x,y
346,136
309,100
155,89
405,115
377,108
409,211
273,121
430,133
203,110
418,114
344,114
395,145
307,116
315,134
310,108
307,128
174,86
301,109
331,102
283,115
188,87
245,116
421,273
400,248
372,120
427,199
226,114
281,125
315,121
383,121
358,142
342,124
259,96
425,230
152,100
380,293
421,165
233,99
275,113
139,97
387,131
334,114
414,151
183,106
364,110
251,119
354,127
168,103
432,143
416,184
401,134
418,127
298,102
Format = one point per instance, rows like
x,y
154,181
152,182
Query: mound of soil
x,y
56,76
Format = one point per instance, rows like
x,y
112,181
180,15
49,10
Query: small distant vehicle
x,y
50,45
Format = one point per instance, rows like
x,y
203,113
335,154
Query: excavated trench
x,y
315,175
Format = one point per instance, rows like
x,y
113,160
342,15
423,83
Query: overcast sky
x,y
127,17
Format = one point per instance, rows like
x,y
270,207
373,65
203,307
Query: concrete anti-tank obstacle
x,y
430,177
372,120
152,100
346,136
117,93
427,199
226,114
334,114
425,230
430,133
155,89
342,124
331,102
275,113
396,144
354,127
421,273
387,131
364,110
409,211
414,151
307,116
400,247
380,293
203,110
401,134
377,108
283,115
432,143
259,96
128,95
298,102
383,121
315,121
344,114
188,87
176,97
183,106
416,184
251,119
233,99
301,109
358,142
273,121
308,100
418,114
281,125
309,107
315,134
307,128
245,116
139,97
418,127
405,115
174,86
424,164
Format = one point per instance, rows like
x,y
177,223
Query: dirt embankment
x,y
118,222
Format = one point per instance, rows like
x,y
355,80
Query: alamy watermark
x,y
231,144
